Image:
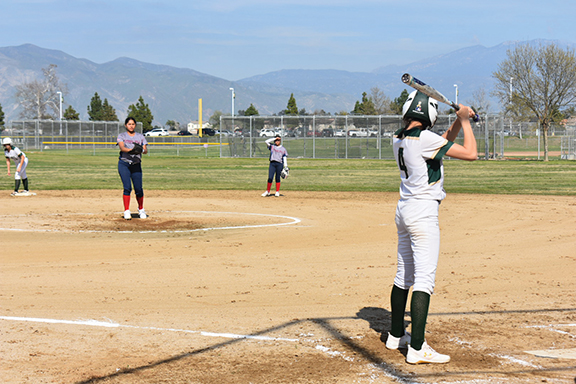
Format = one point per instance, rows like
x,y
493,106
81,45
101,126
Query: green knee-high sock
x,y
25,182
419,313
398,300
16,185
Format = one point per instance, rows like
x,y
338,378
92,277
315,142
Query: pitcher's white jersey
x,y
418,154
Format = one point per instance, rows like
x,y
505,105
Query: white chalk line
x,y
328,351
554,328
111,324
293,220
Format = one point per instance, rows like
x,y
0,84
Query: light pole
x,y
456,86
60,108
233,97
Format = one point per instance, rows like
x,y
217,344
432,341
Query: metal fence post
x,y
346,134
486,139
314,136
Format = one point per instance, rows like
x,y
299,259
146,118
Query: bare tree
x,y
39,98
544,80
380,100
480,101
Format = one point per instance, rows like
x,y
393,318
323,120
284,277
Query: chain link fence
x,y
568,150
322,137
99,138
367,136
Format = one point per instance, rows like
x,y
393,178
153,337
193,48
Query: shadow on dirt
x,y
378,320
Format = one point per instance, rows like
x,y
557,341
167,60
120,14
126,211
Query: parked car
x,y
208,132
269,132
328,132
223,132
185,133
357,133
157,132
340,133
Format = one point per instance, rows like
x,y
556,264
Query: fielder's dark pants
x,y
131,174
275,168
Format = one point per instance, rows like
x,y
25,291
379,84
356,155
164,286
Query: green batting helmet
x,y
420,107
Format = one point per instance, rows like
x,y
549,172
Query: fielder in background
x,y
132,145
418,153
20,161
278,164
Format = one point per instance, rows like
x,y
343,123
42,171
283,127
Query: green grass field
x,y
59,171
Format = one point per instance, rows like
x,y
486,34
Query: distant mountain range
x,y
173,93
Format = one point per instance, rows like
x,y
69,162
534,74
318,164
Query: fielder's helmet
x,y
420,107
7,141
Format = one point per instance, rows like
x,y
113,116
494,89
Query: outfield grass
x,y
59,171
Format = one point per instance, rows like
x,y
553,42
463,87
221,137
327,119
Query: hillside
x,y
172,93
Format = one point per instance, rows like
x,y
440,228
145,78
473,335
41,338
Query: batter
x,y
418,153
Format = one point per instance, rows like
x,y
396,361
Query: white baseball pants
x,y
418,244
22,174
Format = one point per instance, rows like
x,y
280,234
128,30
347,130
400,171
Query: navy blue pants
x,y
131,174
275,168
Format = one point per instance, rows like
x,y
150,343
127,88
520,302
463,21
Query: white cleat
x,y
425,355
277,194
266,194
142,213
127,215
398,342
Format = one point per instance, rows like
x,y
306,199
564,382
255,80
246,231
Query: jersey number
x,y
401,162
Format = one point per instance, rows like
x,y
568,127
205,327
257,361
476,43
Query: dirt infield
x,y
230,287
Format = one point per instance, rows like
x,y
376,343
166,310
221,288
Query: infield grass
x,y
60,171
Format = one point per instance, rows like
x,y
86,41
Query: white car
x,y
268,132
340,133
157,132
357,133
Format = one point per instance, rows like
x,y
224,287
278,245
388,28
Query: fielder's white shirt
x,y
418,154
14,155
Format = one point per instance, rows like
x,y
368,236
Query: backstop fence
x,y
323,137
568,147
367,136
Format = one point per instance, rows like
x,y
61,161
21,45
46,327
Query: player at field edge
x,y
418,153
20,160
130,166
278,163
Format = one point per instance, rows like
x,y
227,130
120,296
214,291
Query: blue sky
x,y
235,39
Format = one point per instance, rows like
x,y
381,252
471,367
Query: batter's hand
x,y
465,112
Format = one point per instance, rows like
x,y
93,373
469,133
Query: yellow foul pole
x,y
200,116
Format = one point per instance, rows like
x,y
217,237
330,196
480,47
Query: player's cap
x,y
7,141
420,107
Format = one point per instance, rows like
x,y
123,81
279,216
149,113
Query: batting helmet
x,y
7,141
420,107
